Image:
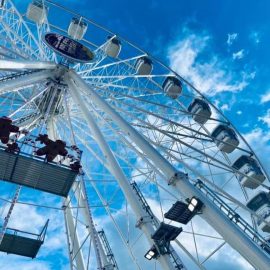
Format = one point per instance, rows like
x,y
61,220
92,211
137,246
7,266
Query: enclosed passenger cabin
x,y
37,12
77,28
225,138
172,87
144,66
113,47
249,166
200,110
260,203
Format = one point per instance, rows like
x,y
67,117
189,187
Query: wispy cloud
x,y
12,262
259,141
211,76
266,97
238,55
231,38
266,118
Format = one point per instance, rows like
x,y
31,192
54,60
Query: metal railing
x,y
233,216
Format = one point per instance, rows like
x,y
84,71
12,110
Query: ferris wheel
x,y
134,167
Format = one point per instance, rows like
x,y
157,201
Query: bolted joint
x,y
178,176
143,220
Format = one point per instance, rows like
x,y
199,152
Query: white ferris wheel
x,y
143,171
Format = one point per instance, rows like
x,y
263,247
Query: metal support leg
x,y
76,251
100,254
81,196
115,169
69,220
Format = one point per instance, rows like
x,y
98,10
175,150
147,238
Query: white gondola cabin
x,y
172,87
144,66
37,12
253,174
200,110
260,203
113,47
77,28
225,138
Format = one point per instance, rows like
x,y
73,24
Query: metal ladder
x,y
146,206
169,249
232,215
17,75
108,249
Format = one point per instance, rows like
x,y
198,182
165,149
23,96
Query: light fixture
x,y
152,253
183,212
191,207
194,204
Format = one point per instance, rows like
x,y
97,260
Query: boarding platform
x,y
34,172
23,243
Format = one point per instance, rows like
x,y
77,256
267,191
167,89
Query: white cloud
x,y
266,118
224,107
11,262
238,55
259,140
266,97
21,216
211,77
231,38
239,112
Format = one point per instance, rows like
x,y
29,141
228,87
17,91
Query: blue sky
x,y
220,46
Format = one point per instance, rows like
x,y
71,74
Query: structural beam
x,y
24,64
73,236
12,85
74,84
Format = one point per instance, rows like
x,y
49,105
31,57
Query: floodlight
x,y
194,201
194,204
191,207
152,253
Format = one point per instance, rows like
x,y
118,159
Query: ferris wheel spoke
x,y
30,102
123,77
124,62
22,80
187,127
16,39
12,17
152,127
11,49
11,53
22,64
